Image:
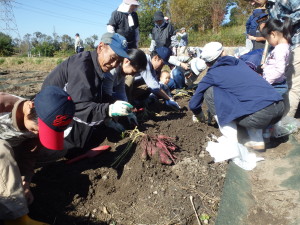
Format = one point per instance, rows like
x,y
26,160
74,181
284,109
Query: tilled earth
x,y
92,192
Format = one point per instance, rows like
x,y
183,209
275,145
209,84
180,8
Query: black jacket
x,y
119,21
81,77
162,35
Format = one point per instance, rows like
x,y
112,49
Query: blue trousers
x,y
178,81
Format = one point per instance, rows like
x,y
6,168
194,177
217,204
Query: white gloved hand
x,y
172,104
132,119
119,108
114,125
199,118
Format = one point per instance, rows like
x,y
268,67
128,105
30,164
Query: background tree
x,y
90,42
198,14
6,45
67,43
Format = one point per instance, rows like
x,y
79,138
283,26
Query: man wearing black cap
x,y
21,123
162,32
81,76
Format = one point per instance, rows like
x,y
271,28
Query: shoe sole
x,y
257,147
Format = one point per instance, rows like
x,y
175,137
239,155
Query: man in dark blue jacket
x,y
235,93
81,76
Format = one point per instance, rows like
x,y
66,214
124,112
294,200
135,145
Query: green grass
x,y
38,61
59,61
17,61
2,61
228,36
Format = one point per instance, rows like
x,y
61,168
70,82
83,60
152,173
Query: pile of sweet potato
x,y
160,147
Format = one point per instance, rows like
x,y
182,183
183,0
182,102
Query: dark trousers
x,y
84,137
259,120
79,49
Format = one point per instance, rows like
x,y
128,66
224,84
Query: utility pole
x,y
8,23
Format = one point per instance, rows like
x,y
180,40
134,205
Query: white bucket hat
x,y
211,51
197,65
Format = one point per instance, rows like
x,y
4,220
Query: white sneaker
x,y
256,141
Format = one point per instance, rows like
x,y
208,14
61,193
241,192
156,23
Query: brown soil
x,y
146,192
138,192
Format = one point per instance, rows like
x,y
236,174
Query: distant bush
x,y
38,61
59,61
17,61
64,54
2,61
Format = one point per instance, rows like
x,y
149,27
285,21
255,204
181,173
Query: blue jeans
x,y
166,89
178,81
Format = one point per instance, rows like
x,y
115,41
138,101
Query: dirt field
x,y
146,192
139,192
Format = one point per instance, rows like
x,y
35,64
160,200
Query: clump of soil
x,y
138,192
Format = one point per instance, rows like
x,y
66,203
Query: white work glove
x,y
172,104
119,108
199,118
132,119
114,125
152,46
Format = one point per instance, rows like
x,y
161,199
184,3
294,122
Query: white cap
x,y
197,65
211,51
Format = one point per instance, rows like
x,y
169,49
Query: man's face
x,y
157,62
159,22
107,58
133,8
31,125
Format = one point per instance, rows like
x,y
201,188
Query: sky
x,y
86,17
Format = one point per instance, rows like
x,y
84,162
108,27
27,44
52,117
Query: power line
x,y
75,8
7,19
53,14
